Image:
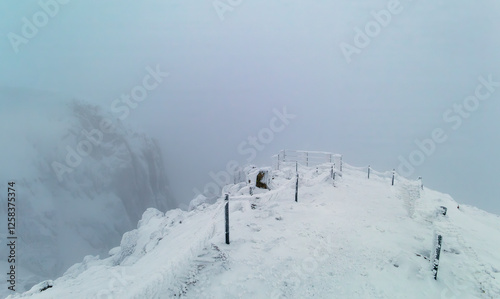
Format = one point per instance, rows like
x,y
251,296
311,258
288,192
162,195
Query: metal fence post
x,y
437,253
297,189
227,219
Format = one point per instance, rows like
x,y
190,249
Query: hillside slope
x,y
72,204
349,238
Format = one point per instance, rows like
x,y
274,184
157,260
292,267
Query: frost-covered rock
x,y
78,268
148,215
199,202
150,231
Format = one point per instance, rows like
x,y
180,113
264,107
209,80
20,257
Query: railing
x,y
331,161
307,158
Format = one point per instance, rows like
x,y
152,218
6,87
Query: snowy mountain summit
x,y
346,237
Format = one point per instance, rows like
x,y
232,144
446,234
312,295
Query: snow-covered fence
x,y
332,173
387,174
392,175
307,158
288,158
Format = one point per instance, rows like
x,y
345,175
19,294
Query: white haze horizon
x,y
226,78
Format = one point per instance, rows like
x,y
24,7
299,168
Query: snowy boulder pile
x,y
151,229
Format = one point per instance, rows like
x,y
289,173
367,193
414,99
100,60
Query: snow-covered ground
x,y
352,238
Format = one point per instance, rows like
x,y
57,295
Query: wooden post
x,y
393,174
340,163
368,171
437,253
227,219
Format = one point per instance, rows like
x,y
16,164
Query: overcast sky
x,y
230,68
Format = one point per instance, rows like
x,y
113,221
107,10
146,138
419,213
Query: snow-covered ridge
x,y
86,209
352,238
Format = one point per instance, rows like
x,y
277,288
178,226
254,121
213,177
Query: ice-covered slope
x,y
352,238
85,209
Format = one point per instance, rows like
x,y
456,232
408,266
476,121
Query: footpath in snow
x,y
350,238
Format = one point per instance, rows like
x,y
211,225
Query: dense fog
x,y
195,88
